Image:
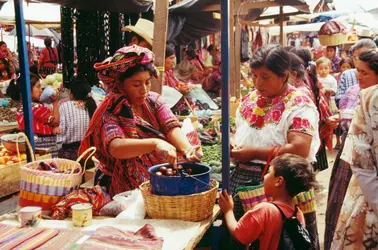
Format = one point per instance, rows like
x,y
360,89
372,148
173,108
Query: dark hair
x,y
306,56
288,48
346,60
7,66
297,65
364,43
296,171
138,68
191,53
169,51
371,58
332,47
2,43
137,36
33,69
14,88
211,48
47,42
81,89
274,57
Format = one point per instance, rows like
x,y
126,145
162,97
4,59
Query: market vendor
x,y
142,33
133,129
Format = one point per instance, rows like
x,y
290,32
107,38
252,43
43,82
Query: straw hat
x,y
184,70
143,28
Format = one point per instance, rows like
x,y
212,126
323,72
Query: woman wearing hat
x,y
133,129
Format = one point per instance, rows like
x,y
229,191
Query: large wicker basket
x,y
194,207
333,40
44,188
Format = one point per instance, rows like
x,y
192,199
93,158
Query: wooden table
x,y
205,225
8,129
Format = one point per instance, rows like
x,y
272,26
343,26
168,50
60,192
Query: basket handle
x,y
28,146
93,149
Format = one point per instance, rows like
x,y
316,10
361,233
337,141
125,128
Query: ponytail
x,y
90,105
14,90
311,71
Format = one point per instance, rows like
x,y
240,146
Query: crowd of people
x,y
297,105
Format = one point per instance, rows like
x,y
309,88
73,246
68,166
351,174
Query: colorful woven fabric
x,y
42,117
95,196
111,68
113,238
38,239
11,237
65,240
250,196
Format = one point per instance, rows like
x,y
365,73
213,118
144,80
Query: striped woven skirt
x,y
48,141
321,159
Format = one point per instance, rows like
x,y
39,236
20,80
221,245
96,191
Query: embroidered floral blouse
x,y
266,122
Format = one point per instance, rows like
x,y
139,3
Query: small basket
x,y
194,207
250,196
333,40
45,189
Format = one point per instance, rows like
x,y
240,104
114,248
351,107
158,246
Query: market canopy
x,y
122,6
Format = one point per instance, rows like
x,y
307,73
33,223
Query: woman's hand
x,y
226,203
243,153
183,89
332,122
194,154
168,150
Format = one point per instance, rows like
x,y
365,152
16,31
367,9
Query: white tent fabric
x,y
11,42
33,12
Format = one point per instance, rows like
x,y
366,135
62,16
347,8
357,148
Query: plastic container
x,y
180,185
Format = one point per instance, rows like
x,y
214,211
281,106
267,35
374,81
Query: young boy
x,y
288,176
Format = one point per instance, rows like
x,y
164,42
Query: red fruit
x,y
163,170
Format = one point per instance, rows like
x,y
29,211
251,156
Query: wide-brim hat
x,y
184,70
143,28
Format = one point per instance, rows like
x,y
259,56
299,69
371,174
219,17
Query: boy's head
x,y
323,66
289,173
331,51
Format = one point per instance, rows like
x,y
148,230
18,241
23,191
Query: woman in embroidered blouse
x,y
133,129
75,115
275,114
358,220
45,120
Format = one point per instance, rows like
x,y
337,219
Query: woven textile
x,y
113,238
64,240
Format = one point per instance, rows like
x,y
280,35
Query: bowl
x,y
180,185
9,142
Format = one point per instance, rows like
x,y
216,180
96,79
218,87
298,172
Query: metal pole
x,y
24,71
281,26
225,36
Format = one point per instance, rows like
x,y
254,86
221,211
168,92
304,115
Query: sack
x,y
294,235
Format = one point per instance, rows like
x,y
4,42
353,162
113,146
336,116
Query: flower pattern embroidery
x,y
259,111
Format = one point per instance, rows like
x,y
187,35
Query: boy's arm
x,y
231,223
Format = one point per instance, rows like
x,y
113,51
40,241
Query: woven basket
x,y
306,201
45,189
333,40
194,207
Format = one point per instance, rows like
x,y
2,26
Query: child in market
x,y
345,64
323,67
288,176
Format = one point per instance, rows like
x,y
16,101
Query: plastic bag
x,y
135,209
119,203
187,126
47,94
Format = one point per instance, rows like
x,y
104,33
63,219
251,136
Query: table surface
x,y
204,226
7,129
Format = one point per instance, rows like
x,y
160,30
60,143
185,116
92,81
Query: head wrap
x,y
170,50
125,58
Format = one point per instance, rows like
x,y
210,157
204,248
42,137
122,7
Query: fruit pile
x,y
8,157
52,167
174,171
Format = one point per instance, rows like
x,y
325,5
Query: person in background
x,y
323,66
213,84
45,120
141,33
4,51
349,77
48,60
288,176
31,56
215,55
75,116
327,121
5,70
335,60
358,220
200,72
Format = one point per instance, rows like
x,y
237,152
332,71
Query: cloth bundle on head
x,y
111,68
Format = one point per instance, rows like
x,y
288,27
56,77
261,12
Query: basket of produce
x,y
194,207
183,179
44,183
332,33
